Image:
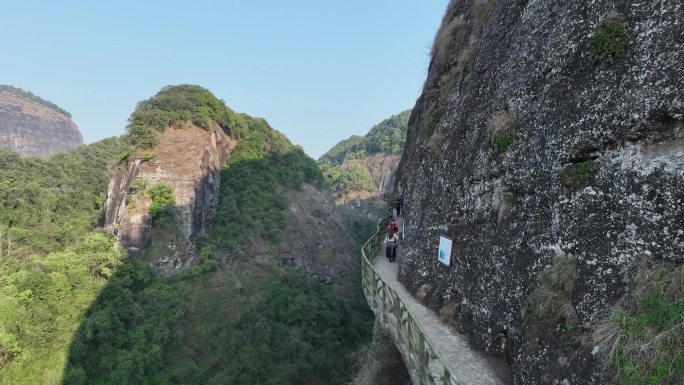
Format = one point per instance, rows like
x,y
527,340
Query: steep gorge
x,y
548,143
242,280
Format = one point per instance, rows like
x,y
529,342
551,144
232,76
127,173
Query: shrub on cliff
x,y
611,37
430,124
576,175
163,201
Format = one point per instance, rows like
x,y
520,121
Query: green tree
x,y
163,201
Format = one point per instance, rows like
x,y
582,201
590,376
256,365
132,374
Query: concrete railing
x,y
426,365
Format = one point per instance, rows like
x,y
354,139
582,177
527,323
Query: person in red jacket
x,y
393,226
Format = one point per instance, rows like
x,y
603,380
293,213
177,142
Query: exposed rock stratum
x,y
32,129
188,159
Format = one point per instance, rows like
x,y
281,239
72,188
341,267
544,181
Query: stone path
x,y
471,366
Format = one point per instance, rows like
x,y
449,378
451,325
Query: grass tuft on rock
x,y
576,175
431,124
642,338
611,38
502,140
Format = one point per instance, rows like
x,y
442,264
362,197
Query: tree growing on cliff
x,y
163,201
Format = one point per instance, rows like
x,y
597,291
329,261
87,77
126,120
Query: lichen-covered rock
x,y
531,141
32,129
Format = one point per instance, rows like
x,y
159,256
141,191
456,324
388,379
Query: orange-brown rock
x,y
190,160
32,129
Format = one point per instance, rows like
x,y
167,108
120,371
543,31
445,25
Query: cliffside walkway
x,y
433,352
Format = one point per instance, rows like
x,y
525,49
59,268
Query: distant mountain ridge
x,y
362,166
387,136
32,126
31,96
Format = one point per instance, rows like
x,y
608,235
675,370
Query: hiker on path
x,y
391,242
393,226
400,203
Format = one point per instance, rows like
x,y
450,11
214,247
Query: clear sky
x,y
318,71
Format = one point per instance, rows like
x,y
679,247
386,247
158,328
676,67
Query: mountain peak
x,y
31,126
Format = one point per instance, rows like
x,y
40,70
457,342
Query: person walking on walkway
x,y
399,203
393,226
391,242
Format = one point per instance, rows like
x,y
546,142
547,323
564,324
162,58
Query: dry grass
x,y
445,41
608,335
549,306
502,120
502,126
453,50
450,23
380,363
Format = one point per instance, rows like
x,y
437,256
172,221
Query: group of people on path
x,y
392,237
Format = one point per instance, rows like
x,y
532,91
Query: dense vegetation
x,y
340,164
50,267
29,95
59,198
350,176
262,169
74,310
175,106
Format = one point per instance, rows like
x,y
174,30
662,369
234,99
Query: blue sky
x,y
318,71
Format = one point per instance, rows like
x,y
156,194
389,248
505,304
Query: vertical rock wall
x,y
189,159
529,143
31,129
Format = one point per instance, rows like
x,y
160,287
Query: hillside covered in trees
x,y
350,165
361,166
76,310
387,136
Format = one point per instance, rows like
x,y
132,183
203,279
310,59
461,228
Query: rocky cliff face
x,y
315,239
544,145
31,129
189,159
382,168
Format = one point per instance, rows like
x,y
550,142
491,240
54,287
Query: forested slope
x,y
364,163
74,310
50,267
